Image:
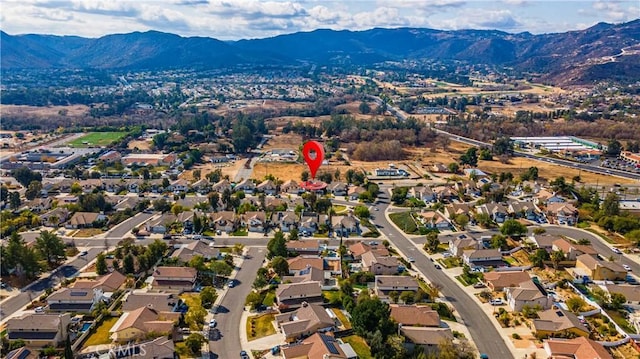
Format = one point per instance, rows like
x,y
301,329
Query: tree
x,y
470,157
372,313
364,108
394,295
24,176
68,351
277,246
406,297
304,176
51,248
361,212
76,188
538,257
194,342
453,167
483,219
462,220
556,258
221,268
503,146
214,200
33,191
238,248
513,228
432,242
14,200
293,234
575,304
611,205
498,242
614,147
617,300
128,264
280,266
208,296
101,264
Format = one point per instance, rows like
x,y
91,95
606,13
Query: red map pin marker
x,y
313,161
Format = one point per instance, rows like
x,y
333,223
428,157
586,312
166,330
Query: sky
x,y
245,19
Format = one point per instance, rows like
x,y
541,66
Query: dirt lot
x,y
75,110
229,168
142,145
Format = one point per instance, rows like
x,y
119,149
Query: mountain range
x,y
603,51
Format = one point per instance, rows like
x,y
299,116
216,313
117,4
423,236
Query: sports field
x,y
97,139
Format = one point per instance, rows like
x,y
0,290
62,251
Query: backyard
x,y
101,334
359,346
405,221
97,139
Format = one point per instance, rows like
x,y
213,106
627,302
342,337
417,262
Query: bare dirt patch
x,y
37,111
142,145
290,141
228,169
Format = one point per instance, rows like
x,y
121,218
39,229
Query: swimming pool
x,y
85,327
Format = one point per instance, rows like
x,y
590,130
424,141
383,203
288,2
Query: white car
x,y
627,267
496,302
213,323
39,309
616,250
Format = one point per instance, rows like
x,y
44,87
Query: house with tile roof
x,y
379,265
106,283
174,279
161,302
141,322
195,248
598,269
304,321
319,346
572,250
527,293
498,280
302,262
577,348
267,187
359,248
85,220
81,300
225,221
291,296
415,315
563,213
426,337
385,284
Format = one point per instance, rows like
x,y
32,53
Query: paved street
x,y
484,334
71,269
230,310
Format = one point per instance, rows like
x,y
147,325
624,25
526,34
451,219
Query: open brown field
x,y
354,109
289,141
36,111
228,169
142,145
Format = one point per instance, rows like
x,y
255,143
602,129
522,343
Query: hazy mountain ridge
x,y
570,57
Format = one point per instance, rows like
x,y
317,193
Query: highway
x,y
483,333
229,312
471,141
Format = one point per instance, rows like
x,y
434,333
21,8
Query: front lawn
x,y
404,221
240,233
87,232
260,326
359,346
101,334
269,298
450,262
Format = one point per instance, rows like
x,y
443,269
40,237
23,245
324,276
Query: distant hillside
x,y
564,58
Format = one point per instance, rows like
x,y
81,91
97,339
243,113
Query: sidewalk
x,y
264,343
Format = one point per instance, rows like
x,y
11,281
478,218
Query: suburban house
x,y
572,250
545,241
527,293
498,280
468,187
161,224
85,220
293,295
544,197
309,247
179,186
423,193
576,348
304,321
439,168
435,220
354,192
359,248
597,269
149,159
310,222
161,302
558,322
302,262
385,284
338,188
225,221
158,348
246,186
39,330
174,279
483,257
379,265
415,315
267,187
345,225
495,211
286,221
445,193
454,209
195,248
291,186
319,346
74,299
462,243
563,213
106,283
55,217
110,157
221,186
23,353
255,221
309,274
202,186
39,205
141,322
426,337
630,292
520,209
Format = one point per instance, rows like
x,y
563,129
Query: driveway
x,y
229,312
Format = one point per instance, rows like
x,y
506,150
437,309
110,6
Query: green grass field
x,y
97,139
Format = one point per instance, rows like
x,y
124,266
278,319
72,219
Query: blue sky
x,y
236,19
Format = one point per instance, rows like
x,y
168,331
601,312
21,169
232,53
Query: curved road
x,y
486,337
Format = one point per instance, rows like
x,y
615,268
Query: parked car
x,y
231,283
411,259
616,250
479,285
498,301
244,355
438,266
627,267
39,309
213,323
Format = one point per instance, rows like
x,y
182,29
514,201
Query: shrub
x,y
516,336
